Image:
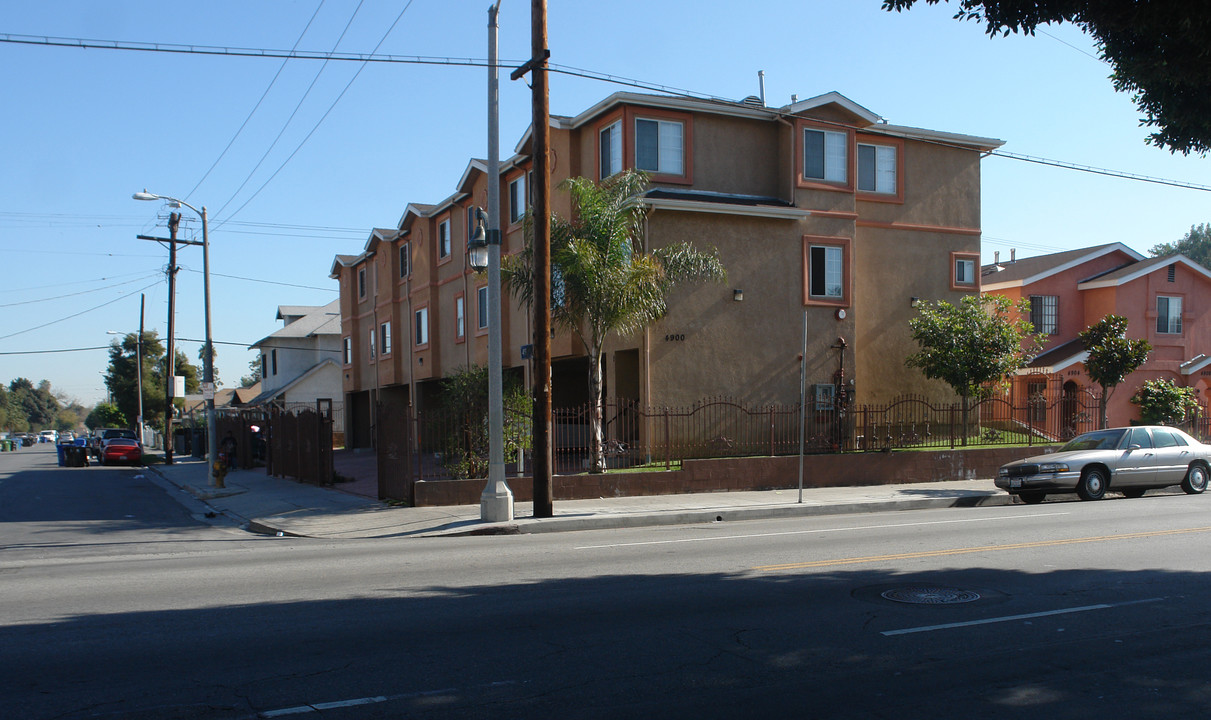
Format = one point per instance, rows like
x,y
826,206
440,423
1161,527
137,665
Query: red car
x,y
116,450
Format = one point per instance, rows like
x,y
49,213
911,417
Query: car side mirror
x,y
1134,447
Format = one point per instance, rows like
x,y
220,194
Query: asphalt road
x,y
1063,610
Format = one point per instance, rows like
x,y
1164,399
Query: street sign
x,y
208,391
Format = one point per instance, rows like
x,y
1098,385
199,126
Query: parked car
x,y
96,443
48,436
1131,460
121,450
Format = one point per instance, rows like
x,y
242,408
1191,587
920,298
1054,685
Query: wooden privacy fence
x,y
299,443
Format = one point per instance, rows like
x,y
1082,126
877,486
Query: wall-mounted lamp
x,y
914,301
477,246
738,295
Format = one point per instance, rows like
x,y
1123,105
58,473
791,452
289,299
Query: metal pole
x,y
496,501
174,221
802,402
212,441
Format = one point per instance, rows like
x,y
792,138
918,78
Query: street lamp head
x,y
477,246
145,195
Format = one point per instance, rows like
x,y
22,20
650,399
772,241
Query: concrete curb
x,y
709,515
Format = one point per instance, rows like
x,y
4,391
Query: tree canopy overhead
x,y
1196,245
1158,49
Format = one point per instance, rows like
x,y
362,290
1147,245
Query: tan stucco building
x,y
824,215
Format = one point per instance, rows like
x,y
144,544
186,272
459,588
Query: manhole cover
x,y
927,595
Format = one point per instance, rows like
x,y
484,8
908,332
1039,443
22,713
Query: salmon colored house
x,y
827,217
1165,300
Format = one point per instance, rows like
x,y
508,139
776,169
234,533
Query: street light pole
x,y
496,501
212,441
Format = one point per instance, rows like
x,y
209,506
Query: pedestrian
x,y
228,448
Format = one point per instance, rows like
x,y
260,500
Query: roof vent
x,y
753,100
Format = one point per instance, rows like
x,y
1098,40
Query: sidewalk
x,y
265,504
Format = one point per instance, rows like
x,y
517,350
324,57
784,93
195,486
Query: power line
x,y
82,292
78,282
274,347
63,350
82,312
258,280
258,102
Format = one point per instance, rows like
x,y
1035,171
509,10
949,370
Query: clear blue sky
x,y
83,129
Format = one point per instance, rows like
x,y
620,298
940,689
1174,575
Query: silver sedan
x,y
1130,460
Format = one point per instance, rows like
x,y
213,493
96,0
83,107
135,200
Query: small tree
x,y
105,415
602,280
974,345
1112,357
464,404
1163,402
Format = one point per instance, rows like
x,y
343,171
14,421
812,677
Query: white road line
x,y
817,531
1009,618
320,707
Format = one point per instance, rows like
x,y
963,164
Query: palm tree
x,y
602,281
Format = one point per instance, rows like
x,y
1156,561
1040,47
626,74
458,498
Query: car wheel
x,y
1134,492
1196,479
1032,498
1092,485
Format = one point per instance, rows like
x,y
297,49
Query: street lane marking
x,y
816,531
320,707
982,548
1010,618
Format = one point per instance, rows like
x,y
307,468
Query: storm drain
x,y
928,595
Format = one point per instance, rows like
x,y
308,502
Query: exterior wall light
x,y
914,301
738,295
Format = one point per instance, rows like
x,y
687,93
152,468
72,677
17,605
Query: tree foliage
x,y
1112,356
1158,50
27,407
1196,245
972,346
121,377
105,415
464,401
602,280
1163,402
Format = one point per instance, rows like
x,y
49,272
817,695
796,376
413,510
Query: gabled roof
x,y
1057,358
1030,270
1139,269
321,320
269,395
341,261
834,98
1195,364
379,235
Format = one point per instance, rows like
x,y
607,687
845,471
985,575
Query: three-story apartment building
x,y
831,222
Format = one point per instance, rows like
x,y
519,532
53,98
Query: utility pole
x,y
174,222
139,370
543,458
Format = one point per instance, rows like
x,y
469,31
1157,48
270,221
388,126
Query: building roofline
x,y
1093,254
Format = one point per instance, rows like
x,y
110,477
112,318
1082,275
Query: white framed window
x,y
443,239
826,272
361,282
965,271
877,169
1168,315
373,337
609,142
422,326
405,260
825,155
660,146
481,301
517,199
384,336
348,350
1045,314
460,317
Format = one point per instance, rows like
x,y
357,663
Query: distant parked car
x,y
48,436
96,443
1131,460
121,450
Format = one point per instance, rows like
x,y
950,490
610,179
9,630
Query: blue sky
x,y
83,129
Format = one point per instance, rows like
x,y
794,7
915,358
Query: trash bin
x,y
74,455
59,447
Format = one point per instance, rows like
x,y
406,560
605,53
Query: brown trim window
x,y
609,146
460,317
517,198
964,271
384,335
348,355
481,309
826,270
1168,315
361,283
405,260
421,326
444,245
880,165
825,158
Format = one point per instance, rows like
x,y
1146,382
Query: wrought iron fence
x,y
446,445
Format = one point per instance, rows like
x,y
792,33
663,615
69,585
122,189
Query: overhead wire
x,y
82,292
258,103
82,312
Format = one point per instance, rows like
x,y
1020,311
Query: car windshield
x,y
119,434
123,442
1100,440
